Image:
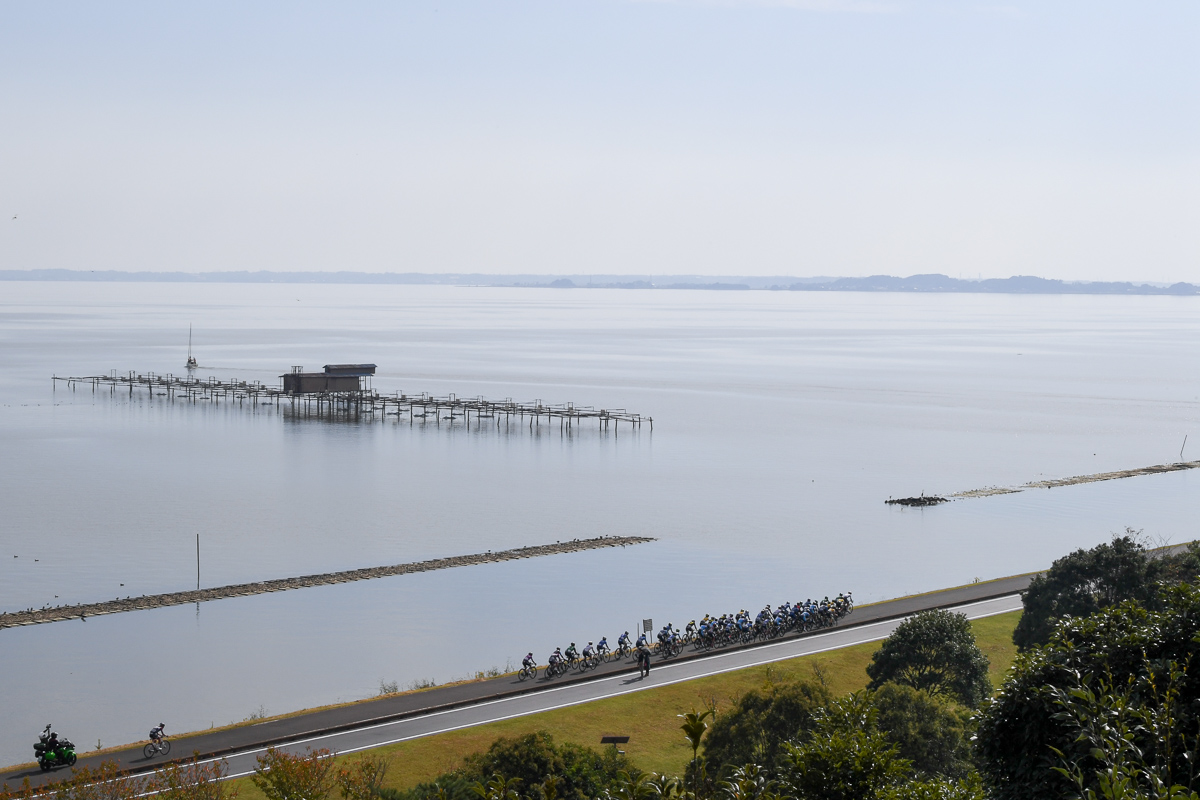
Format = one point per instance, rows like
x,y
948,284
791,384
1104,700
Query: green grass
x,y
649,717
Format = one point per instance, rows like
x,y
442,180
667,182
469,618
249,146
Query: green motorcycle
x,y
53,752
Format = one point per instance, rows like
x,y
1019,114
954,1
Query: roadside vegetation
x,y
1102,703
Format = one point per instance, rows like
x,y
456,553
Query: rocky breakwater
x,y
38,616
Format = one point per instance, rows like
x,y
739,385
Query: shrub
x,y
755,729
934,651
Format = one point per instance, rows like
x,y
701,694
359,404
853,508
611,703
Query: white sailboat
x,y
191,362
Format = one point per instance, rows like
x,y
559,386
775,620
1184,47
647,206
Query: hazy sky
x,y
580,136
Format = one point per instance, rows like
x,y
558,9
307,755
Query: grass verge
x,y
649,717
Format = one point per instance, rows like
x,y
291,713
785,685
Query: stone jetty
x,y
83,611
1054,483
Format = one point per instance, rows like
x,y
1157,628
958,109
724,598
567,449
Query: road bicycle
x,y
527,672
154,748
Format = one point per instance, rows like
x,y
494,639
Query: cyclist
x,y
602,647
641,642
623,641
528,661
572,654
556,657
643,659
156,734
588,652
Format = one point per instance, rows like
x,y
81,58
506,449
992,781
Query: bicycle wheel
x,y
165,747
149,750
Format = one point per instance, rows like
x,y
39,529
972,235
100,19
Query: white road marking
x,y
1008,604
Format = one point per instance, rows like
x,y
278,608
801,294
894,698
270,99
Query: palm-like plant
x,y
693,728
748,783
645,786
498,788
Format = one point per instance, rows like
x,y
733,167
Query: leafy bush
x,y
930,734
281,775
1033,741
192,780
575,772
934,651
845,756
755,729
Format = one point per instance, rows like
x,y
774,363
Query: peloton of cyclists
x,y
714,631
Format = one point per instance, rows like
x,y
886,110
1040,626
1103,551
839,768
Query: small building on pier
x,y
336,378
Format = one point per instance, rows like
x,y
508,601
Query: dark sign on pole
x,y
647,625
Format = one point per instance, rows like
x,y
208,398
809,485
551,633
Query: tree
x,y
930,734
1122,668
1084,582
281,775
845,756
693,728
934,651
544,769
755,729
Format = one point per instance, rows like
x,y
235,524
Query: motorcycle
x,y
52,752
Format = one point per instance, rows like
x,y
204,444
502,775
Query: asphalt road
x,y
578,693
392,719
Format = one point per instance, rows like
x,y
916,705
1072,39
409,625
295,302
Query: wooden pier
x,y
415,409
37,616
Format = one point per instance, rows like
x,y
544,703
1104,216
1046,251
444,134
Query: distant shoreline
x,y
927,284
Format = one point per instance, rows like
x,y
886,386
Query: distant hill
x,y
1020,284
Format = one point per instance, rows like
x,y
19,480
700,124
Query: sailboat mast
x,y
191,361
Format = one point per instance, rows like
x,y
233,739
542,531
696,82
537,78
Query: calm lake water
x,y
782,422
